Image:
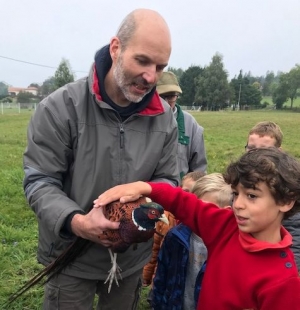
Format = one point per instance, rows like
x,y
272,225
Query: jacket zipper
x,y
121,136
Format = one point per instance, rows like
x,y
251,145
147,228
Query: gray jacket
x,y
78,147
292,225
191,148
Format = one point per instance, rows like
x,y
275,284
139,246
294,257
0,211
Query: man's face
x,y
255,141
138,67
170,98
133,88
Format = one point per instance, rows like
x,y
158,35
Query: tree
x,y
188,86
245,92
212,87
267,85
24,97
36,85
48,86
178,72
3,90
293,83
63,74
287,88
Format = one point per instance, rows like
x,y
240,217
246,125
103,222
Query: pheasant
x,y
137,224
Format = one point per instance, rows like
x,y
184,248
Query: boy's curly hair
x,y
280,172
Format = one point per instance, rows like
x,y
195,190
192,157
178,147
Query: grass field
x,y
296,103
225,138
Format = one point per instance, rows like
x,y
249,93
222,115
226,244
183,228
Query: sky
x,y
256,36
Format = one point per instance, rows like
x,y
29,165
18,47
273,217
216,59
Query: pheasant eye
x,y
153,212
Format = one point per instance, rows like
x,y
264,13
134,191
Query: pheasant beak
x,y
164,219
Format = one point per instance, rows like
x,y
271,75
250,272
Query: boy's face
x,y
187,184
257,213
255,141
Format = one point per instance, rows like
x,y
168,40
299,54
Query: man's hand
x,y
91,225
124,193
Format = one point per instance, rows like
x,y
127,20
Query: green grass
x,y
296,103
225,138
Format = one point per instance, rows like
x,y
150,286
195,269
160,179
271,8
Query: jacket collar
x,y
251,244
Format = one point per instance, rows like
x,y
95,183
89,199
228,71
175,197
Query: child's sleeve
x,y
205,219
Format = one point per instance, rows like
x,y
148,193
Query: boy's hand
x,y
124,193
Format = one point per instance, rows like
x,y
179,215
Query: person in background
x,y
250,264
187,183
269,134
106,129
176,284
191,148
264,134
191,155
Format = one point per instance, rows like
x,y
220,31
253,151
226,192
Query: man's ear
x,y
287,207
114,48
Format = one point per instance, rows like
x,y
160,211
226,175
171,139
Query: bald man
x,y
88,136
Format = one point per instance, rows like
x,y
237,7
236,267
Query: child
x,y
250,264
269,134
264,134
183,253
187,183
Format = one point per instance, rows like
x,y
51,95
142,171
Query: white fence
x,y
16,108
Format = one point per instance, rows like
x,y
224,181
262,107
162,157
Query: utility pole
x,y
238,104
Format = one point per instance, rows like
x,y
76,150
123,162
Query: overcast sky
x,y
255,36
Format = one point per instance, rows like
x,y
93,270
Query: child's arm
x,y
283,295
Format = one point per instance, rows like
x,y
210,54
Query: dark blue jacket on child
x,y
170,276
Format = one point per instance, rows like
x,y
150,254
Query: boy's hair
x,y
270,129
214,183
194,175
278,170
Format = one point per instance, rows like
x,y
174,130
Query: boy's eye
x,y
234,195
251,196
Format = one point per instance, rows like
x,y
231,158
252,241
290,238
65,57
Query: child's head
x,y
264,134
213,188
266,172
189,180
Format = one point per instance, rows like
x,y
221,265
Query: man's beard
x,y
122,82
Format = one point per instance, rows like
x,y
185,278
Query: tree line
x,y
206,87
209,87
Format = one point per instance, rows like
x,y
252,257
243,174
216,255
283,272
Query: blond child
x,y
177,280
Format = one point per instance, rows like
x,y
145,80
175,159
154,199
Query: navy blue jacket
x,y
169,280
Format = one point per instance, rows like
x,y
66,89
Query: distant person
x,y
88,136
177,280
250,264
264,134
269,134
191,148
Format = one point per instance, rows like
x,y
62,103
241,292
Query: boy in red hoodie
x,y
250,264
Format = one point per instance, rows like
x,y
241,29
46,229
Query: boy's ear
x,y
287,207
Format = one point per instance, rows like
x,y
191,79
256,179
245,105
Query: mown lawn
x,y
225,138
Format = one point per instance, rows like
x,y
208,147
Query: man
x,y
269,134
191,149
191,157
90,135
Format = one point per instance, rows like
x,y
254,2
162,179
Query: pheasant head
x,y
147,214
